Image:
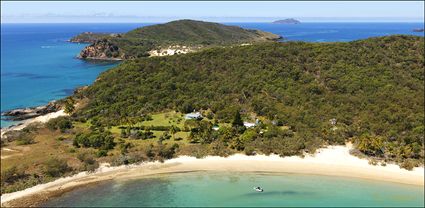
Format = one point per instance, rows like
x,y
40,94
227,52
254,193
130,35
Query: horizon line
x,y
271,22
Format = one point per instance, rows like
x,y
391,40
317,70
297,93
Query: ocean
x,y
39,65
224,189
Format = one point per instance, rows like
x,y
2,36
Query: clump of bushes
x,y
15,179
89,163
62,123
11,175
165,152
25,139
409,164
136,134
55,167
22,137
98,139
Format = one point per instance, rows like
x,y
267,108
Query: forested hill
x,y
182,36
199,32
372,89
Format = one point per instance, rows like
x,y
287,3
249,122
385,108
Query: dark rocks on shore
x,y
102,50
27,113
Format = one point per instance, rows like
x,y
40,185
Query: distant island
x,y
418,30
287,21
176,37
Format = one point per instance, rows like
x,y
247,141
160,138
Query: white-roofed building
x,y
194,115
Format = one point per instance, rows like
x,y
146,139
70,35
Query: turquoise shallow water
x,y
236,189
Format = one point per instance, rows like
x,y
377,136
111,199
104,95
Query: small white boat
x,y
258,189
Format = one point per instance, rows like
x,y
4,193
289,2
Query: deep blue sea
x,y
39,65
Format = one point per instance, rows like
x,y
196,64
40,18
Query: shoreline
x,y
24,123
330,161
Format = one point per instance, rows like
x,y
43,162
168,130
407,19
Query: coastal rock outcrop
x,y
102,50
27,113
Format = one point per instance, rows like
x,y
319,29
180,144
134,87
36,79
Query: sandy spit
x,y
42,119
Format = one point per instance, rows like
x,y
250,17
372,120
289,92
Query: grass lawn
x,y
166,119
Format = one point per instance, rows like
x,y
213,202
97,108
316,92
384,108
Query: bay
x,y
236,189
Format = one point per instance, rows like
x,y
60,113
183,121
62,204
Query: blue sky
x,y
96,11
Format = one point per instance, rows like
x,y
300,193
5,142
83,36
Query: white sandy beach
x,y
331,161
42,119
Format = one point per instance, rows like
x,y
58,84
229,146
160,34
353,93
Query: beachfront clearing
x,y
29,152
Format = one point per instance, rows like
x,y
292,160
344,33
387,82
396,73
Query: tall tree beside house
x,y
237,120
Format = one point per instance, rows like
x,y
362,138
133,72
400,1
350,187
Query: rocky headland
x,y
102,50
32,112
162,39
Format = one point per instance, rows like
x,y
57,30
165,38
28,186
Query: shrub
x,y
62,123
373,162
142,135
135,157
61,138
408,164
89,163
178,139
124,147
55,167
32,127
96,139
167,152
102,153
249,151
11,175
72,150
24,139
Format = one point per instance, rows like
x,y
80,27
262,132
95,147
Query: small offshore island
x,y
239,99
287,21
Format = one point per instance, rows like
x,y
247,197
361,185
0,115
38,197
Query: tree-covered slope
x,y
198,32
373,88
89,37
182,33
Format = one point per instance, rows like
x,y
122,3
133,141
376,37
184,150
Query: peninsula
x,y
177,37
